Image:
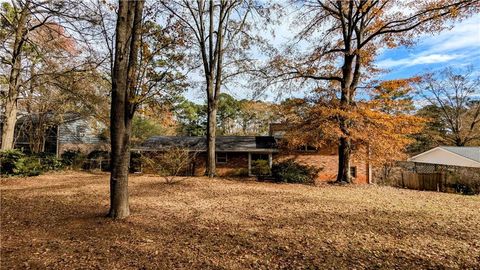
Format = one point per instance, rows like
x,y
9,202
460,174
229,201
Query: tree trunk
x,y
122,109
11,109
8,131
120,159
344,152
344,146
211,136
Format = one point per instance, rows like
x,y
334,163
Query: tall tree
x,y
454,95
345,37
380,127
16,18
34,38
124,83
190,117
219,36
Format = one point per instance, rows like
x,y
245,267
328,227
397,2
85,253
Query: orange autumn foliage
x,y
381,126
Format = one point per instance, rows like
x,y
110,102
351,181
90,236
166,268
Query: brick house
x,y
236,154
325,158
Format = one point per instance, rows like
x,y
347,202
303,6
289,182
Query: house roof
x,y
450,155
468,152
63,118
223,143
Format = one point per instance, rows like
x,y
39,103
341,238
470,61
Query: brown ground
x,y
57,221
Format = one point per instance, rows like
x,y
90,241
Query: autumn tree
x,y
453,96
124,84
219,40
343,39
254,117
35,45
380,127
16,22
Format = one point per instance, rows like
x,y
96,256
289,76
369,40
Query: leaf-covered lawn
x,y
57,221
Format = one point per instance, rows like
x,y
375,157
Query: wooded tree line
x,y
138,58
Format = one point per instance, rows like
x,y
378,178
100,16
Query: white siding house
x,y
450,155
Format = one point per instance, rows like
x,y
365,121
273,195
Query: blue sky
x,y
457,47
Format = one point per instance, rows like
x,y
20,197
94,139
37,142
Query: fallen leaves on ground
x,y
57,221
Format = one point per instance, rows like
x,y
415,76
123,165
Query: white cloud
x,y
465,35
460,42
418,60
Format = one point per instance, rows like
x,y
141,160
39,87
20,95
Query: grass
x,y
57,221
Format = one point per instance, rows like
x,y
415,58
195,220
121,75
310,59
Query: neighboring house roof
x,y
223,143
450,155
64,118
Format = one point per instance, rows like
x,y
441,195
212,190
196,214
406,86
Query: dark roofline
x,y
199,143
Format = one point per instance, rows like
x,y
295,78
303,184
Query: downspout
x,y
369,166
58,142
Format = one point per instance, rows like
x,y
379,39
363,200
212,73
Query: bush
x,y
8,161
98,154
49,162
466,182
240,172
289,171
14,162
135,162
97,159
73,159
29,166
261,167
169,164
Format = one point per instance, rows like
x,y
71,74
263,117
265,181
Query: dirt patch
x,y
57,221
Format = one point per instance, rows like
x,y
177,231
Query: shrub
x,y
8,161
261,167
49,162
135,162
466,182
98,154
28,166
14,162
97,159
240,172
69,157
169,164
289,171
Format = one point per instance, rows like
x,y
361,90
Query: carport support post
x,y
249,164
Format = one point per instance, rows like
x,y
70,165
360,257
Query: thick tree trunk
x,y
11,109
211,136
120,159
119,118
344,152
122,109
344,146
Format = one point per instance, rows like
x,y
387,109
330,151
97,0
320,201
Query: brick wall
x,y
236,165
327,161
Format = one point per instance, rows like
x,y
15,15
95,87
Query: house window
x,y
221,158
81,130
353,172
